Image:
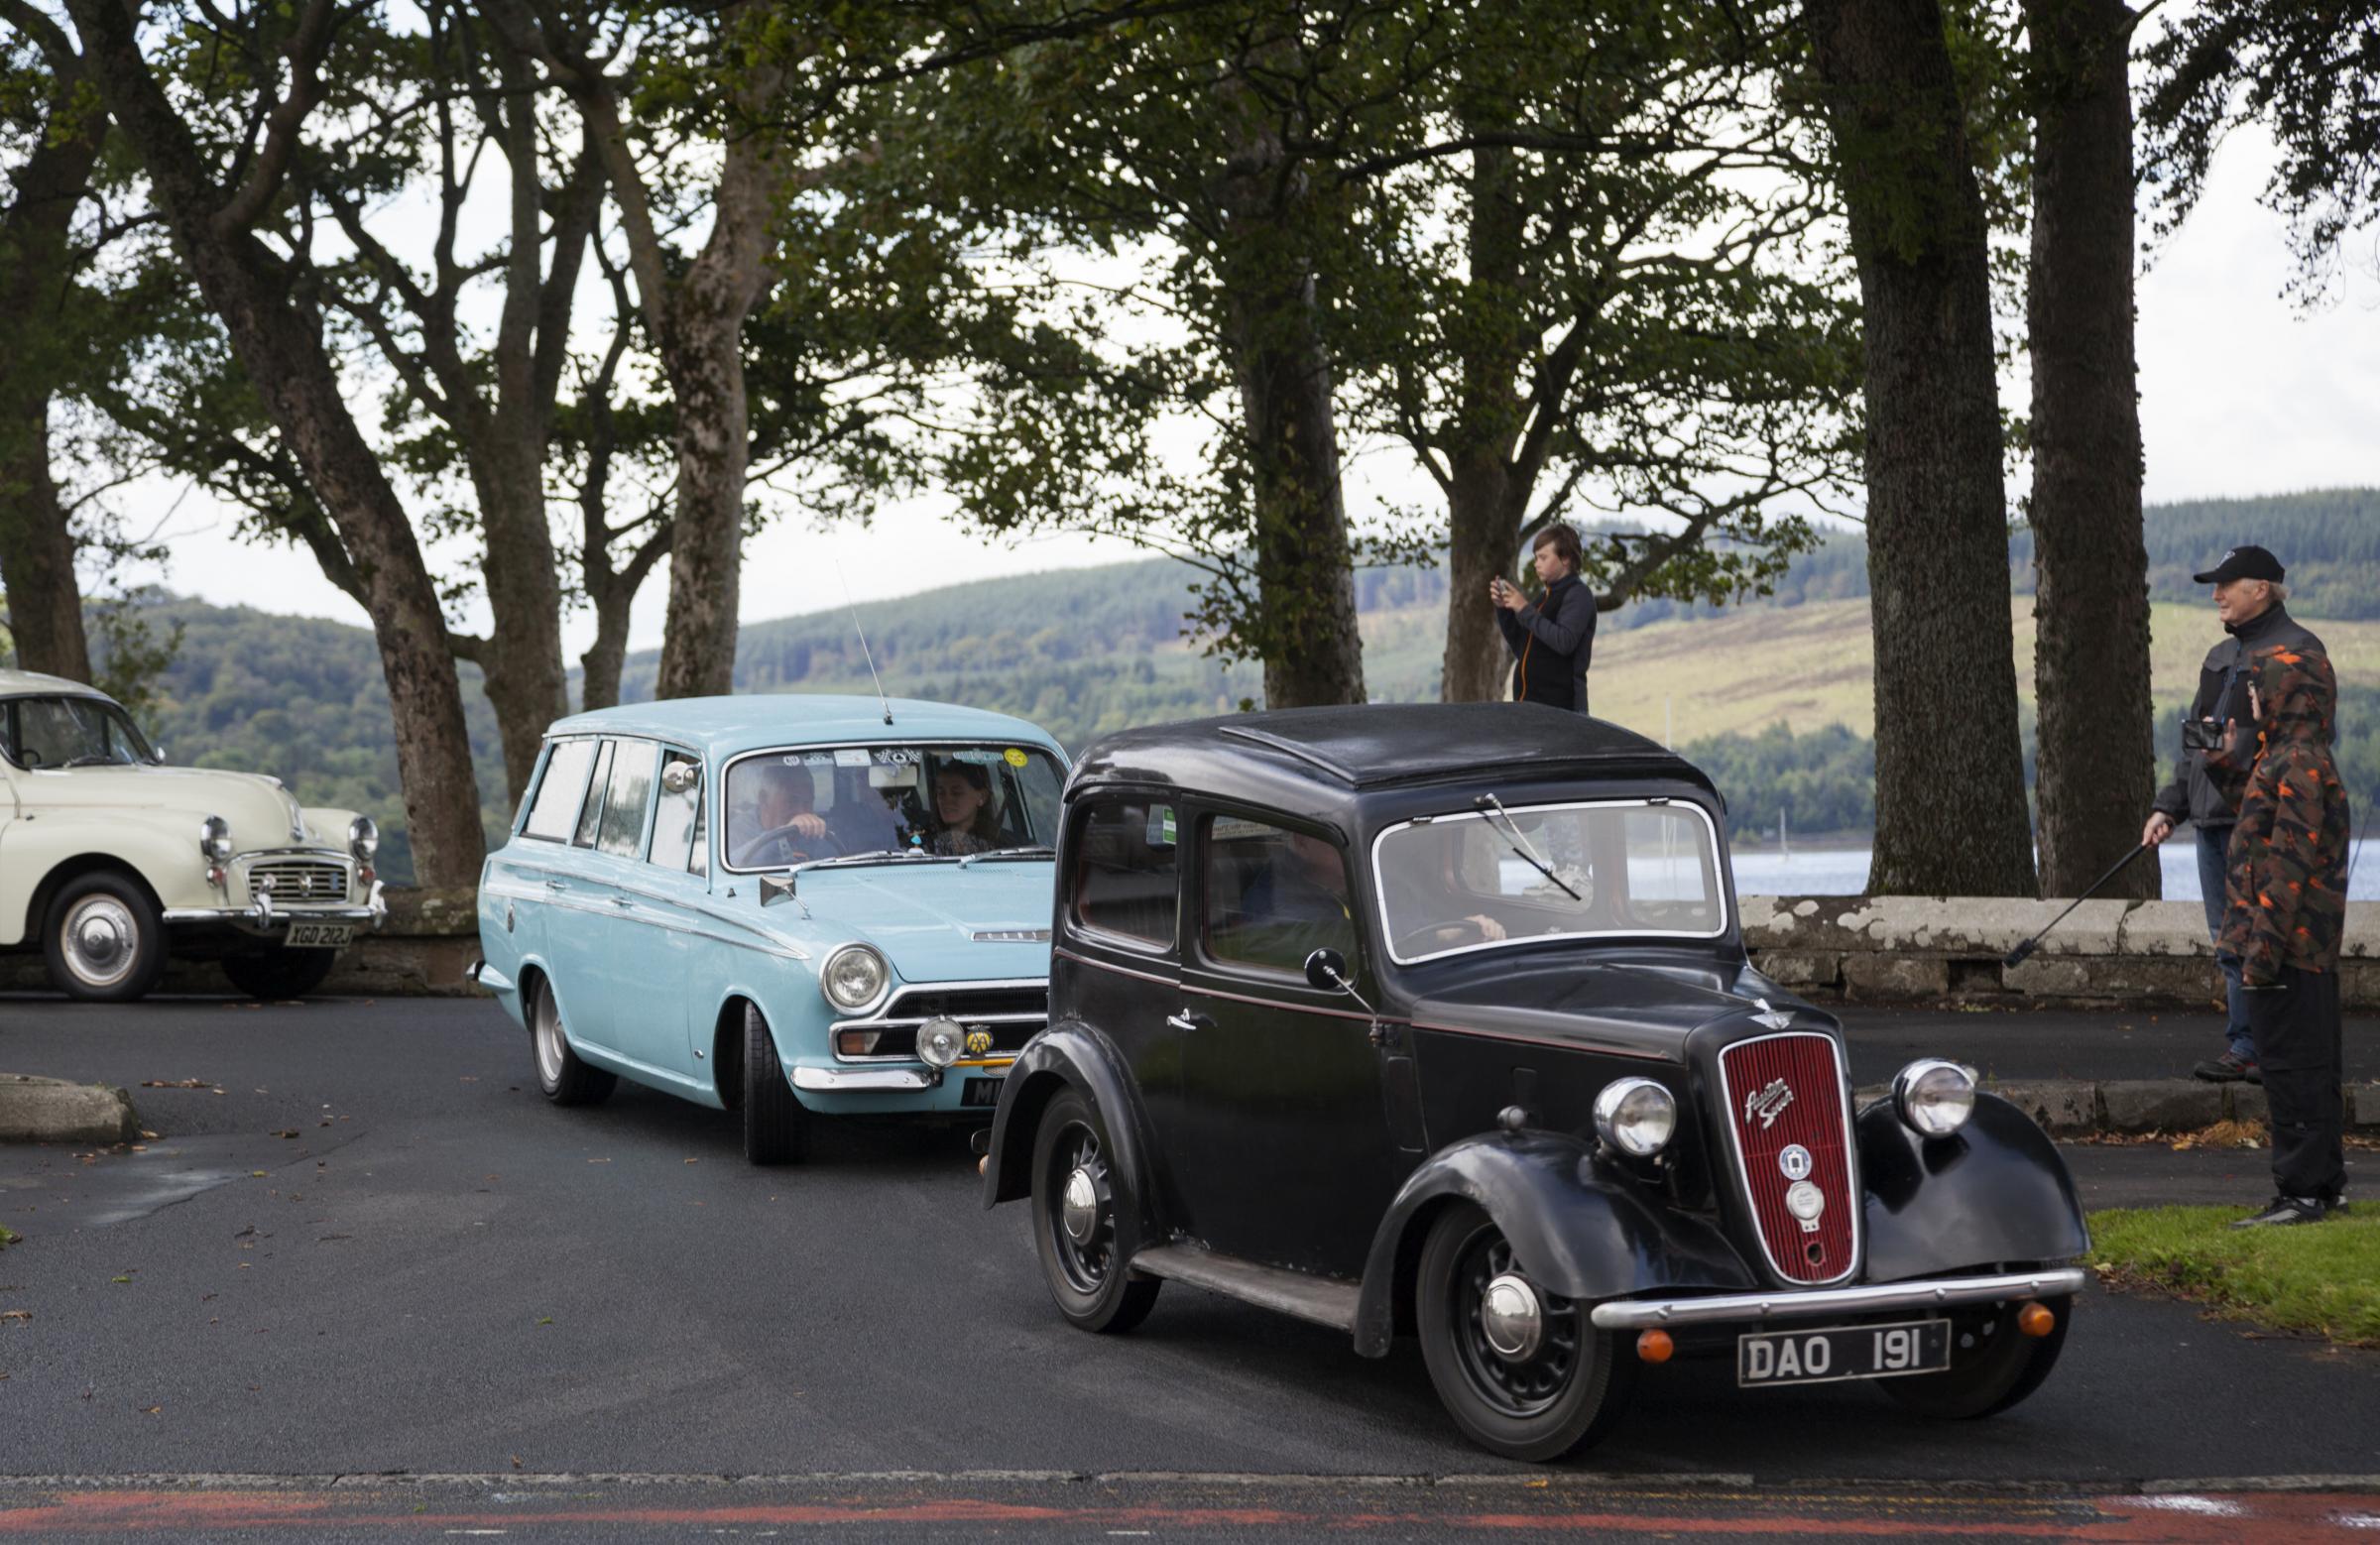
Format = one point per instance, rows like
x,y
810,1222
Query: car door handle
x,y
556,884
1186,1021
621,900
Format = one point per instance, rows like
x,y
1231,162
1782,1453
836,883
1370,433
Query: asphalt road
x,y
377,1251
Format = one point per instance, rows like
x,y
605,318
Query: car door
x,y
618,949
667,894
1121,920
532,872
1291,1160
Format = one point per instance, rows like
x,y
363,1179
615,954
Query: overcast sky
x,y
2241,394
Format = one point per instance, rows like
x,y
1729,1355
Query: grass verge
x,y
2324,1278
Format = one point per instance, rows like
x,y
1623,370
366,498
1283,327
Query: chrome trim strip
x,y
1629,1313
1010,936
869,1079
1855,1202
767,943
281,915
883,1019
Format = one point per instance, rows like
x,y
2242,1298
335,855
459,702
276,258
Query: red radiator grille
x,y
1786,1092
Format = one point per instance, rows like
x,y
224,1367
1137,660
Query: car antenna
x,y
864,651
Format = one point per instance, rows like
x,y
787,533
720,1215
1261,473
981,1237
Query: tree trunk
x,y
278,341
1950,815
705,359
601,665
523,660
2090,665
1483,542
36,551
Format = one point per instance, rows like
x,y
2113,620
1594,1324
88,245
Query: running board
x,y
1321,1300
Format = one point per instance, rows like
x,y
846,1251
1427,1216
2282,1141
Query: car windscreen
x,y
800,803
73,732
1469,881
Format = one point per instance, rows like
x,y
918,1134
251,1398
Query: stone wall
x,y
1920,949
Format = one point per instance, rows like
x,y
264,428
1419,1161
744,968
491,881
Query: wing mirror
x,y
678,776
1325,972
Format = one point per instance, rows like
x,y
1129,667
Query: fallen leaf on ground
x,y
16,1314
290,1131
174,1083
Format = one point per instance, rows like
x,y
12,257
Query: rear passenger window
x,y
555,806
677,822
621,832
1126,869
592,811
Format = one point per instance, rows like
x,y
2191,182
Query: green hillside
x,y
1772,696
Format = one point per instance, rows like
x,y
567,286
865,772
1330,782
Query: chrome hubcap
x,y
101,937
1078,1207
549,1039
1512,1318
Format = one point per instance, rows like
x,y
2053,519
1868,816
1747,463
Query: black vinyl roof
x,y
1371,745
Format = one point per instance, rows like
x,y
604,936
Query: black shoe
x,y
2283,1211
2229,1068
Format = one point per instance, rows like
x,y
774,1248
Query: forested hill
x,y
1088,650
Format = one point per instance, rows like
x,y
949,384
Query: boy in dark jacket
x,y
2287,910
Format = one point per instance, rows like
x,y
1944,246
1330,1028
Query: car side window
x,y
554,809
621,833
677,820
591,814
1273,895
1126,869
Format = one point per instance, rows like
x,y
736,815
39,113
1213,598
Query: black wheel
x,y
1994,1365
280,973
564,1079
1075,1189
104,941
1519,1369
777,1130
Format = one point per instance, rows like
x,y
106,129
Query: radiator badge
x,y
978,1042
1768,1103
1794,1161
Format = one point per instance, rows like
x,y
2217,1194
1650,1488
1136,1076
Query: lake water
x,y
1761,871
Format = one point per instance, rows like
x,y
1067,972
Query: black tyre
x,y
1075,1190
280,973
1531,1383
777,1130
104,940
563,1078
1994,1365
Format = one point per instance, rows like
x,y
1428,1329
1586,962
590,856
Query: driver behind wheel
x,y
785,812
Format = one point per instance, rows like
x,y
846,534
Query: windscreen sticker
x,y
980,756
1015,756
852,757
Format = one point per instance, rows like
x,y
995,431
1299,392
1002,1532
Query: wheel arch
x,y
1072,1055
68,869
727,1048
1580,1233
1994,1191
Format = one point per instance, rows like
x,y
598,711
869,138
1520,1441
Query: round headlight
x,y
940,1040
1934,1097
1636,1115
214,839
363,837
854,978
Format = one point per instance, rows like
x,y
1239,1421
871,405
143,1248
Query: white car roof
x,y
20,683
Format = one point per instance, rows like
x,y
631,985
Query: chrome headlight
x,y
214,839
940,1040
1934,1097
854,978
363,838
1636,1115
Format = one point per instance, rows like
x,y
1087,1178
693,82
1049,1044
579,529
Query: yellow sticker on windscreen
x,y
1015,757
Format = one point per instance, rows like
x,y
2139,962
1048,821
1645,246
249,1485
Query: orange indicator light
x,y
1655,1346
2036,1320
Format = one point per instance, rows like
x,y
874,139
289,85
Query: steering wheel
x,y
776,846
1426,939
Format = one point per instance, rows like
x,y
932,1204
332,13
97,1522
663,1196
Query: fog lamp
x,y
854,978
940,1040
1934,1097
1636,1115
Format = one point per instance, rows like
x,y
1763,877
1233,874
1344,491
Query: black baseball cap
x,y
2241,563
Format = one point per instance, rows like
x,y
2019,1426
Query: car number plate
x,y
318,936
1825,1356
981,1091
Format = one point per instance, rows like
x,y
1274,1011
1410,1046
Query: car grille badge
x,y
1775,1019
1767,1102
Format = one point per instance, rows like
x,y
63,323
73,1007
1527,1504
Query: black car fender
x,y
1577,1228
1995,1192
1071,1054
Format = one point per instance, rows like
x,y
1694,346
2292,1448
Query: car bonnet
x,y
938,922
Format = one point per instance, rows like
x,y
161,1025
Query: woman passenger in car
x,y
963,801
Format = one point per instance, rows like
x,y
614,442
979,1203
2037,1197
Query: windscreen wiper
x,y
1028,850
1493,810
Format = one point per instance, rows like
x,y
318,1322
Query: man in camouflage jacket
x,y
2287,908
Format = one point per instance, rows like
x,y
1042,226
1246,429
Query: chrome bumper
x,y
1633,1314
480,974
806,1077
261,916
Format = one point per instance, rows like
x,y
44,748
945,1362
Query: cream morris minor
x,y
787,906
110,860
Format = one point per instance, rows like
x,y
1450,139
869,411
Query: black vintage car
x,y
1437,1021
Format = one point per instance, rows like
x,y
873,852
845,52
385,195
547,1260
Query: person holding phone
x,y
1552,639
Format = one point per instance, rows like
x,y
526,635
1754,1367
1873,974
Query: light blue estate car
x,y
785,906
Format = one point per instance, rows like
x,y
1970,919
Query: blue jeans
x,y
2215,878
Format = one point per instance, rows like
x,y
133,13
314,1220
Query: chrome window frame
x,y
718,824
1718,876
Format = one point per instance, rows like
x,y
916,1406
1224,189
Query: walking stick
x,y
2018,955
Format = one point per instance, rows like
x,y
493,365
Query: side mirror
x,y
1325,972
